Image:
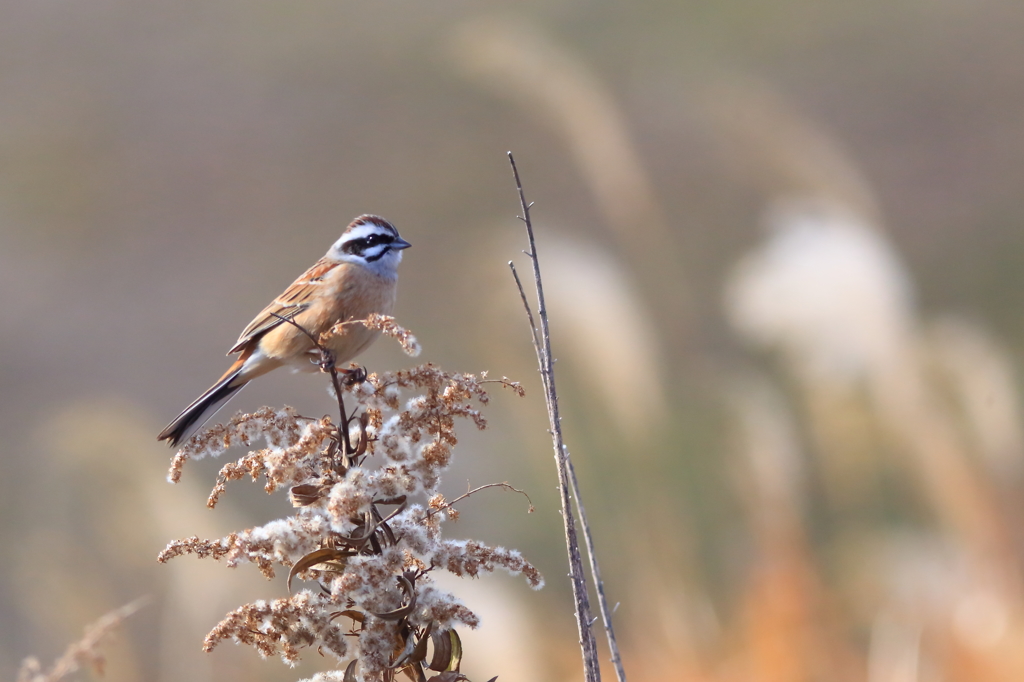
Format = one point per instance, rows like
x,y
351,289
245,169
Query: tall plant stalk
x,y
567,482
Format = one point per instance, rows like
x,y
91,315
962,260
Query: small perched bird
x,y
358,276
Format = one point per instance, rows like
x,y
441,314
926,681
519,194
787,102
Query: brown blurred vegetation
x,y
167,168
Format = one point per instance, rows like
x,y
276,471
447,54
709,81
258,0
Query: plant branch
x,y
449,505
542,344
327,365
529,316
595,573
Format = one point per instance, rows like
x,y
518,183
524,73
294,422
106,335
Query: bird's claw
x,y
327,360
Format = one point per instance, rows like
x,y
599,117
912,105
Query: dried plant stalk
x,y
83,653
566,472
356,530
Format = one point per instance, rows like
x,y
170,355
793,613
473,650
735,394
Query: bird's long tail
x,y
205,406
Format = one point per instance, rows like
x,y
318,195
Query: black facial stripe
x,y
359,246
355,246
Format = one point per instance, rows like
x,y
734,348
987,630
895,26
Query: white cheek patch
x,y
375,252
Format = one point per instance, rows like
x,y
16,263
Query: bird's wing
x,y
296,298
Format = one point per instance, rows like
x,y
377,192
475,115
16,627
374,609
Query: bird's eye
x,y
355,246
359,246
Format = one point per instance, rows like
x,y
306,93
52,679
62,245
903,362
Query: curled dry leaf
x,y
450,676
406,608
335,559
447,651
420,652
305,494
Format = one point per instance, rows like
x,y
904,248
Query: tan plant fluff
x,y
357,531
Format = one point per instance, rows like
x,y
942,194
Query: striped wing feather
x,y
295,299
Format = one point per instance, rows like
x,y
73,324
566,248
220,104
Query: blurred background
x,y
785,259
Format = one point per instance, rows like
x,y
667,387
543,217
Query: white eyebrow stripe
x,y
366,230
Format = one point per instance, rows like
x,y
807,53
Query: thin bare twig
x,y
449,505
542,344
595,573
529,314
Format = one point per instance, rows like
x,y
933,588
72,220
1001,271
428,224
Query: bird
x,y
358,276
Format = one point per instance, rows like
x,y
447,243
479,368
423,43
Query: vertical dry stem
x,y
595,572
542,345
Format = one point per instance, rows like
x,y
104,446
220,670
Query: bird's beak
x,y
400,244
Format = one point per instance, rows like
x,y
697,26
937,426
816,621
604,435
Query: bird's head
x,y
372,242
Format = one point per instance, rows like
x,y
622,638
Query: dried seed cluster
x,y
356,532
85,653
386,325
